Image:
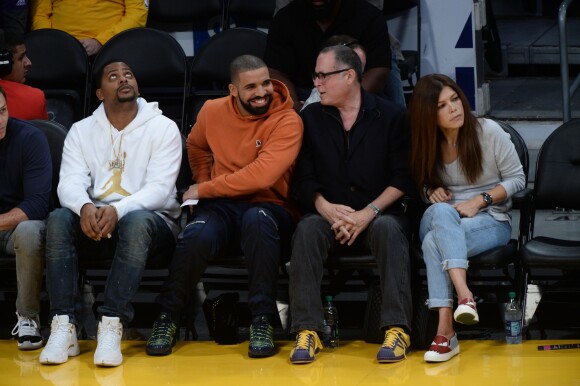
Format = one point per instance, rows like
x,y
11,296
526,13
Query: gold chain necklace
x,y
117,162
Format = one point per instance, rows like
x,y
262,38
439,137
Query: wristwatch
x,y
487,199
375,209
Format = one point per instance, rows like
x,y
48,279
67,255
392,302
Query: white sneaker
x,y
108,351
62,342
28,332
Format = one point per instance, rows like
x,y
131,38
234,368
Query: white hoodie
x,y
152,147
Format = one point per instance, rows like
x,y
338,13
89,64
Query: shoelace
x,y
25,326
109,335
260,335
394,337
163,330
303,340
58,333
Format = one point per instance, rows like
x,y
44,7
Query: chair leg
x,y
424,325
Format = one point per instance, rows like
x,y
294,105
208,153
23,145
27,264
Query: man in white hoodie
x,y
118,198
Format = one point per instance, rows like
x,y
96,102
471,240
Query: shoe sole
x,y
467,317
301,361
25,346
437,358
109,364
72,351
158,352
393,360
390,360
261,355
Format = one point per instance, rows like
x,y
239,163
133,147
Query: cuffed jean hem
x,y
455,263
440,303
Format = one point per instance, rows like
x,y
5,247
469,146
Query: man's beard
x,y
127,98
257,110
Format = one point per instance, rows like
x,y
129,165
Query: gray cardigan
x,y
501,165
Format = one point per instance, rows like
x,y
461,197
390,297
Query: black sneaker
x,y
261,338
163,337
28,331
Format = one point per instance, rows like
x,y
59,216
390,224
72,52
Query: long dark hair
x,y
426,157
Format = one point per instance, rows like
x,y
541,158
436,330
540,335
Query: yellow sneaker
x,y
307,346
395,347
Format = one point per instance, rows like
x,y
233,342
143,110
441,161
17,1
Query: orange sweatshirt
x,y
249,158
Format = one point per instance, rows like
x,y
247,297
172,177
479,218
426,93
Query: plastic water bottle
x,y
330,334
513,321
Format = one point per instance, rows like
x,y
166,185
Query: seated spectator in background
x,y
25,186
299,30
350,174
468,169
337,40
14,16
118,197
25,102
241,151
93,23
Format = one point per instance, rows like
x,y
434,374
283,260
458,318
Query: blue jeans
x,y
448,240
140,235
394,87
313,243
260,231
26,243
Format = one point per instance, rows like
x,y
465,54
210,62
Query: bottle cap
x,y
512,294
328,298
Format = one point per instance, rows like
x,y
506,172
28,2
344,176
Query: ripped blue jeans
x,y
221,227
447,242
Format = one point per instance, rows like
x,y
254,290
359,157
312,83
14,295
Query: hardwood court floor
x,y
481,362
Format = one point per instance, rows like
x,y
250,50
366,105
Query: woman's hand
x,y
438,195
470,207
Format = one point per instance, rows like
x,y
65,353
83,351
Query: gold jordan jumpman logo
x,y
115,182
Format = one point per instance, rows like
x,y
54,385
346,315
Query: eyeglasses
x,y
321,76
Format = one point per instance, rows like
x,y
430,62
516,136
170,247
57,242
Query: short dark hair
x,y
343,40
99,74
3,92
11,40
345,56
245,63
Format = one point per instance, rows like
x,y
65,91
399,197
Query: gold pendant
x,y
117,163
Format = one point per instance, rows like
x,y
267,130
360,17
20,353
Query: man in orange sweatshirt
x,y
241,151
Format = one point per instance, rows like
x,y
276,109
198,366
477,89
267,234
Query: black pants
x,y
314,242
218,228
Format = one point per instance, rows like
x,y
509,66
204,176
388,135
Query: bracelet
x,y
375,209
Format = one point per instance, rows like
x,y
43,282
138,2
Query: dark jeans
x,y
314,242
139,236
218,228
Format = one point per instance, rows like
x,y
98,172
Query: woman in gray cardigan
x,y
468,169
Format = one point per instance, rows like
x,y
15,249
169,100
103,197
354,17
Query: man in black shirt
x,y
299,30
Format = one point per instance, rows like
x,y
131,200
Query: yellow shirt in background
x,y
96,19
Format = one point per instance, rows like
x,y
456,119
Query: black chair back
x,y
212,62
557,182
210,68
60,67
159,65
56,134
520,146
